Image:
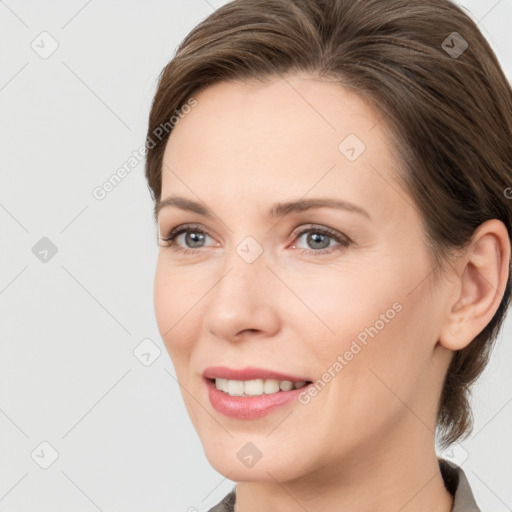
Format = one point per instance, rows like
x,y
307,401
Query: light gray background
x,y
69,326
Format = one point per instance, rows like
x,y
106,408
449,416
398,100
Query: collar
x,y
457,484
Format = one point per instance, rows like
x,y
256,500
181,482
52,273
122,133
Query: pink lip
x,y
248,373
249,407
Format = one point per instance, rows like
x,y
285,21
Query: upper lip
x,y
248,373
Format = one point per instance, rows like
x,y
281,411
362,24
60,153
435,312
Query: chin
x,y
241,460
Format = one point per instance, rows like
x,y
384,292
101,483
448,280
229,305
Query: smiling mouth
x,y
256,387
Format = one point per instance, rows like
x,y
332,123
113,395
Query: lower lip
x,y
250,407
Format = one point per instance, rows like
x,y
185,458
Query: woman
x,y
335,250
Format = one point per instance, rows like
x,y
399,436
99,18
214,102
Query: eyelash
x,y
343,240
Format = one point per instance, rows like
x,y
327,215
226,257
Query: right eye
x,y
192,235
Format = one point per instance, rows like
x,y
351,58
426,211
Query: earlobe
x,y
478,290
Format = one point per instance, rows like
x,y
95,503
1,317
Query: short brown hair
x,y
448,108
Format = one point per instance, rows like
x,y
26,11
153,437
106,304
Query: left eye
x,y
320,240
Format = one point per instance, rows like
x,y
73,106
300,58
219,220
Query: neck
x,y
391,474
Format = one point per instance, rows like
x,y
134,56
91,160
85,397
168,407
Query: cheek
x,y
379,318
174,308
345,302
386,353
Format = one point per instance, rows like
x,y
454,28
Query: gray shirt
x,y
454,478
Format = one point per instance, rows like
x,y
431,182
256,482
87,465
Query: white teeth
x,y
235,387
252,387
286,385
270,386
256,387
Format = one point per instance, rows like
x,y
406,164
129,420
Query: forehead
x,y
287,135
290,108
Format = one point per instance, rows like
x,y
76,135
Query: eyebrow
x,y
277,210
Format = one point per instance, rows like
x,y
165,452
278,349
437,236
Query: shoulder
x,y
457,484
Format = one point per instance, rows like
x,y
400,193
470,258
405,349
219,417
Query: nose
x,y
244,300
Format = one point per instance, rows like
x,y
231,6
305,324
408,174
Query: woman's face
x,y
351,310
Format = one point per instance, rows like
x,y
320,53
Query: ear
x,y
482,275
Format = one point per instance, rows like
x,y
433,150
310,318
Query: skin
x,y
366,441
